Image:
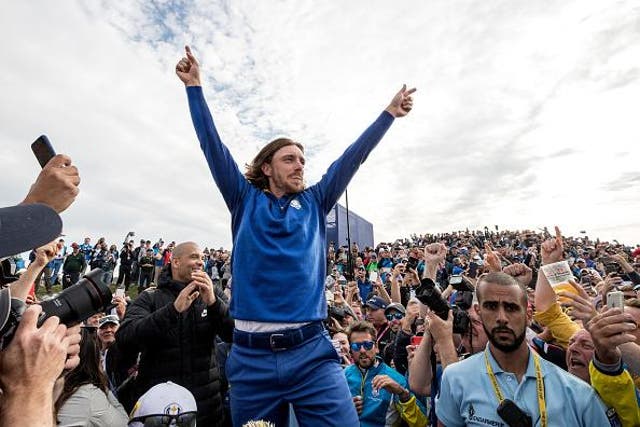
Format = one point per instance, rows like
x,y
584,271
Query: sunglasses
x,y
356,346
186,419
392,316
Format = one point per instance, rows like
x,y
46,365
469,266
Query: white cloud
x,y
524,115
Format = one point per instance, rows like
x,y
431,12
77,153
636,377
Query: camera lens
x,y
80,301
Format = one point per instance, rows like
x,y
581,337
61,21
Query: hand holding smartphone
x,y
43,150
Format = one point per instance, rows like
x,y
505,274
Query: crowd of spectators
x,y
394,348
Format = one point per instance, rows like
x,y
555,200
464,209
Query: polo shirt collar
x,y
531,368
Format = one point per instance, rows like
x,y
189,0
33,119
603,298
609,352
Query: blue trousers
x,y
57,263
308,376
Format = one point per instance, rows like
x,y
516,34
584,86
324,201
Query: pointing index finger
x,y
192,58
558,234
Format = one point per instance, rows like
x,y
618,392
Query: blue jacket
x,y
278,244
378,410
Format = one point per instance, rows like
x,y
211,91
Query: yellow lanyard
x,y
539,386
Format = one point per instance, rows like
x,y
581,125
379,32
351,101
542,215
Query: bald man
x,y
174,328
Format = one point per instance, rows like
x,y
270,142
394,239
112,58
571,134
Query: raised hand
x,y
520,272
56,185
580,302
435,253
441,330
491,259
608,330
401,103
551,250
188,69
46,253
204,286
186,297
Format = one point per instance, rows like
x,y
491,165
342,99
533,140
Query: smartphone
x,y
615,299
43,150
373,276
119,292
416,340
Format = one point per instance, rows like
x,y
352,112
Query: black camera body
x,y
513,415
412,263
73,305
429,295
337,313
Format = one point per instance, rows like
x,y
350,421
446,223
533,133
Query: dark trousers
x,y
124,275
70,278
146,276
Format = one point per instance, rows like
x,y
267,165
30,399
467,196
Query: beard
x,y
364,361
505,347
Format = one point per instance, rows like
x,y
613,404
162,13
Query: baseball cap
x,y
74,245
166,402
394,306
24,227
112,318
376,303
580,260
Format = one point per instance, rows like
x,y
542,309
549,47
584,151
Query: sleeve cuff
x,y
608,369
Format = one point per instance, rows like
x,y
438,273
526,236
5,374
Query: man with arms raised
x,y
278,263
509,382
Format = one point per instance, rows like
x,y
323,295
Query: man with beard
x,y
279,234
379,393
508,382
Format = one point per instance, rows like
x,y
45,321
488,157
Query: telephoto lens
x,y
429,295
80,301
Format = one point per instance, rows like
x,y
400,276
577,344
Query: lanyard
x,y
381,334
542,405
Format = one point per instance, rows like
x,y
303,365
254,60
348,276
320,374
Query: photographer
x,y
33,360
27,397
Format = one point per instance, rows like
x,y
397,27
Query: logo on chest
x,y
295,203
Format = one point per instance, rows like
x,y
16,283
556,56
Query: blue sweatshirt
x,y
279,248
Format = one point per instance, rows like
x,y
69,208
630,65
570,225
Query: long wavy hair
x,y
254,172
89,371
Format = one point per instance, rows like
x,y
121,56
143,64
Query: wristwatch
x,y
404,395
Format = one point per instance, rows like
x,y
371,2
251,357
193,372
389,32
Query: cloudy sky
x,y
523,115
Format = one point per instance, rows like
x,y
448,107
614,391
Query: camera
x,y
337,313
428,295
412,263
513,415
73,305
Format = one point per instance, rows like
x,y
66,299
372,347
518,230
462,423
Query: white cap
x,y
163,399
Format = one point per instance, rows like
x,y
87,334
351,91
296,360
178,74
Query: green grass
x,y
56,289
